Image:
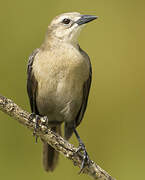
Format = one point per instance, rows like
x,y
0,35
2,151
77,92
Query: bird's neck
x,y
54,42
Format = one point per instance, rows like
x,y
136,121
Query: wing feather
x,y
86,90
32,82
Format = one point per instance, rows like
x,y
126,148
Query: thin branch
x,y
56,141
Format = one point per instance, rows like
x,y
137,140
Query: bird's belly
x,y
60,99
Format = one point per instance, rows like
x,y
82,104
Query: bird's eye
x,y
66,21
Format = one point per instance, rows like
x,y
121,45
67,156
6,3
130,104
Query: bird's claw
x,y
85,160
35,118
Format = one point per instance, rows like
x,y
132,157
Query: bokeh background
x,y
114,125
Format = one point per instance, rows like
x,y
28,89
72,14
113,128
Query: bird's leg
x,y
35,118
36,127
82,148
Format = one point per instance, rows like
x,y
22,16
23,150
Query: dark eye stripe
x,y
66,21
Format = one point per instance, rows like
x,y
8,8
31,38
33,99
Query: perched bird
x,y
58,80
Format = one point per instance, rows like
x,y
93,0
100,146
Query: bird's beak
x,y
85,19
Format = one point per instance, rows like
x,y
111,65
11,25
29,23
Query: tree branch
x,y
56,141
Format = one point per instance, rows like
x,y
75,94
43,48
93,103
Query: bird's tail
x,y
50,156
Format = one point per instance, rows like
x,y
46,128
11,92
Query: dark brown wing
x,y
86,89
32,83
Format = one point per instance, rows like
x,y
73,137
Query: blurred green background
x,y
114,125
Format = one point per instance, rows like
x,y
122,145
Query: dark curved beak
x,y
85,19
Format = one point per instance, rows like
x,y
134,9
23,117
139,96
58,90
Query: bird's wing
x,y
32,82
86,89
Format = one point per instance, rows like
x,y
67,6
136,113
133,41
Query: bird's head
x,y
66,27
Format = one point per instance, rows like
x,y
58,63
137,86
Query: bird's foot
x,y
85,160
35,118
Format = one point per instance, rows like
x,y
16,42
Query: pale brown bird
x,y
59,79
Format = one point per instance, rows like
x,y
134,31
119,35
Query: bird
x,y
59,75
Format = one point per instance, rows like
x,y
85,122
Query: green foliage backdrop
x,y
114,125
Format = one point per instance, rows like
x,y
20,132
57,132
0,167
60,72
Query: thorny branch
x,y
56,141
